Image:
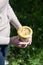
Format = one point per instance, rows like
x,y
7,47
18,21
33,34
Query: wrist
x,y
10,39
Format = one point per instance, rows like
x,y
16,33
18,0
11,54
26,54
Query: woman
x,y
6,16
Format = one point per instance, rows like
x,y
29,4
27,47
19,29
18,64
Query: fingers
x,y
30,40
23,43
28,43
24,46
18,46
21,46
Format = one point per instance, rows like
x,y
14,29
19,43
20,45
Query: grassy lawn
x,y
30,13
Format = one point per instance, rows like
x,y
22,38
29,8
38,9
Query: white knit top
x,y
6,15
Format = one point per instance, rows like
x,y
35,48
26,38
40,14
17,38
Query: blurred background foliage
x,y
30,13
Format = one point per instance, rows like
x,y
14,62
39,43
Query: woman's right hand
x,y
16,41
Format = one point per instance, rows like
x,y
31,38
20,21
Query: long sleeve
x,y
4,40
14,21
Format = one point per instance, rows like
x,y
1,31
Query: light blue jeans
x,y
3,53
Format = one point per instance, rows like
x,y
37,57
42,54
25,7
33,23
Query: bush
x,y
30,13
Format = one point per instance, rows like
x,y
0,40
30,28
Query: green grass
x,y
30,13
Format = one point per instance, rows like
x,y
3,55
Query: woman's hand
x,y
16,41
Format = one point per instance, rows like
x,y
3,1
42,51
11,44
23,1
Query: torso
x,y
4,23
